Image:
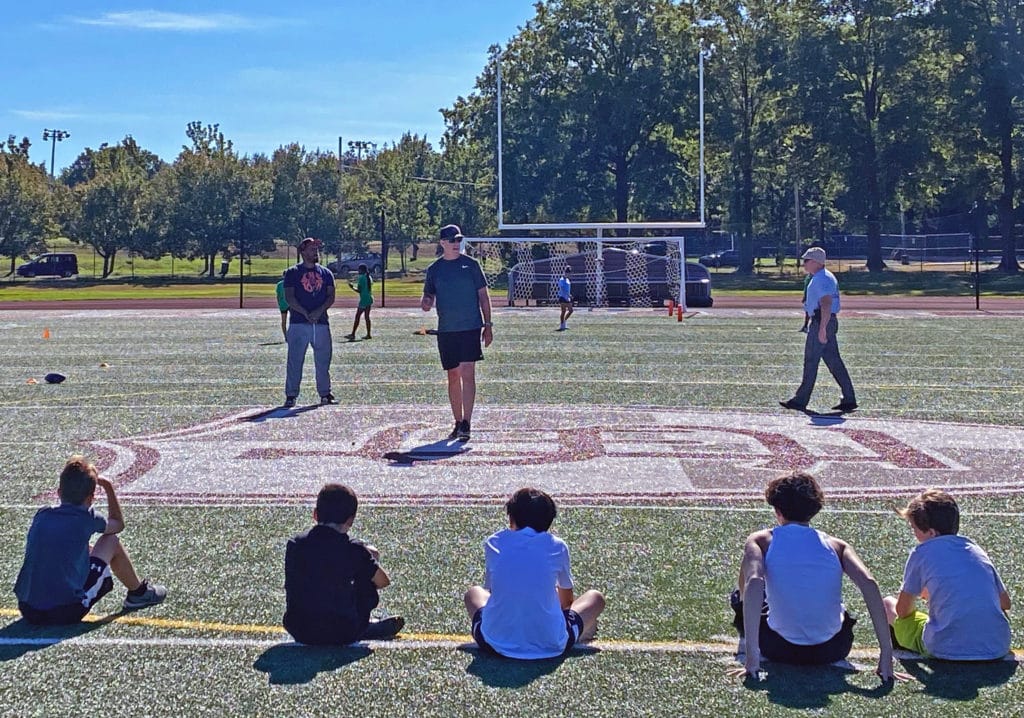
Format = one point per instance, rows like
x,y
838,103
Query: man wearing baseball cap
x,y
821,302
455,283
309,292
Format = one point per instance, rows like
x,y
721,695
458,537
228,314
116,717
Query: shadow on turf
x,y
38,637
812,687
959,681
292,663
498,672
279,412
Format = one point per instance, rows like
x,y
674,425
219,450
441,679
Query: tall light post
x,y
359,145
371,149
704,53
54,136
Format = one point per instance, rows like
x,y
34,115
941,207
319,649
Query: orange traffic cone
x,y
46,333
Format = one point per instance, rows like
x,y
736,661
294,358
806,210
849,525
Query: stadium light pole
x,y
54,136
703,53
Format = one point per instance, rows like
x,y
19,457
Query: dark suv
x,y
349,264
52,264
728,258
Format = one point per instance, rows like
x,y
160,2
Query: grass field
x,y
214,647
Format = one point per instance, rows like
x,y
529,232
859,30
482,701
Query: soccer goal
x,y
635,272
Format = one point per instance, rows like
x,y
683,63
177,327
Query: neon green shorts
x,y
910,631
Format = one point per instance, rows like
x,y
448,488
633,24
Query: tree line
x,y
838,114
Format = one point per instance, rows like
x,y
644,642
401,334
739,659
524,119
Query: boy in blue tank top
x,y
789,605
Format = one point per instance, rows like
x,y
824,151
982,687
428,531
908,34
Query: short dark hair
x,y
531,508
933,509
336,504
797,496
363,269
77,480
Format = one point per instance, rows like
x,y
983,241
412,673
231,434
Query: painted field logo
x,y
583,455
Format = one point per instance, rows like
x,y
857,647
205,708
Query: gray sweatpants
x,y
814,352
300,336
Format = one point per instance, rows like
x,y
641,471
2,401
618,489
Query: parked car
x,y
727,258
51,264
347,265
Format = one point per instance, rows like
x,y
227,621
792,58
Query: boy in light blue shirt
x,y
967,601
565,297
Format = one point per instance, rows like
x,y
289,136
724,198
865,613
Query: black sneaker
x,y
289,402
328,399
462,430
791,404
383,629
455,432
845,406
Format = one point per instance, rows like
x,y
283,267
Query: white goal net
x,y
640,272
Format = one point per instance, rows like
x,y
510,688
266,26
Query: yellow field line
x,y
451,638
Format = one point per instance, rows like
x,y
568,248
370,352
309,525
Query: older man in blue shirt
x,y
822,304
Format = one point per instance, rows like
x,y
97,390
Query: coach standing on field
x,y
456,284
822,304
309,292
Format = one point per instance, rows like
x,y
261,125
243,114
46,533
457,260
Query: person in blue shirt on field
x,y
62,576
822,303
565,297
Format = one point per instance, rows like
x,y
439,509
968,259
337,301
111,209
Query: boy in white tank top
x,y
789,602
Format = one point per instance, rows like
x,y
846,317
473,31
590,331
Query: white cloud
x,y
177,22
65,116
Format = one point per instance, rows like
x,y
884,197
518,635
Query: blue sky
x,y
268,72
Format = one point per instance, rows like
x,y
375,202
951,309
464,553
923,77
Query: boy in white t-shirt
x,y
526,607
967,601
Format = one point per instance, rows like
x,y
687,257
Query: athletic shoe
x,y
455,432
561,327
463,430
802,330
154,594
791,404
328,399
845,406
350,337
289,402
384,628
367,337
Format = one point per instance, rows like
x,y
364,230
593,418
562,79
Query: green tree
x,y
103,207
25,202
987,37
220,203
592,91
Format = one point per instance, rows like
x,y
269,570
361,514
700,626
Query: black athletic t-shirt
x,y
328,586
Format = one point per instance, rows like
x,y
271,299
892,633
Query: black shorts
x,y
97,585
458,347
573,626
776,648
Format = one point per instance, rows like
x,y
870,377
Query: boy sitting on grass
x,y
789,605
966,618
331,581
61,577
526,607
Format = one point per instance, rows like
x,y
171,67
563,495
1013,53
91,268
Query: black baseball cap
x,y
451,231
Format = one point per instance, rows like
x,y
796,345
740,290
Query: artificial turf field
x,y
665,566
